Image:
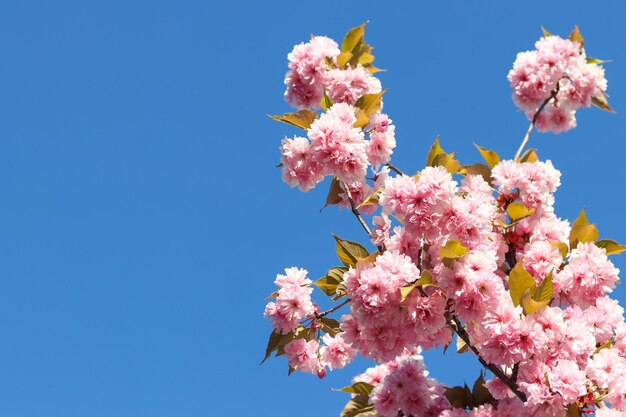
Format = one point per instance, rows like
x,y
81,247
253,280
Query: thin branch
x,y
455,325
393,168
356,212
532,124
332,310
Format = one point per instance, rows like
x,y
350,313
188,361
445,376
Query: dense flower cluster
x,y
473,250
557,68
336,144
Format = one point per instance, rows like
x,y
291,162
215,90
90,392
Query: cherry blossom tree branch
x,y
332,310
357,214
393,168
455,325
532,123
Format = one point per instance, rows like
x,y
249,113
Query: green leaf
x,y
349,252
327,103
334,193
562,248
447,161
459,397
530,156
352,38
480,393
582,231
518,211
529,305
575,36
452,250
573,411
425,280
358,406
544,291
330,326
343,58
491,157
373,198
272,345
602,103
370,103
435,150
520,280
597,61
545,32
357,388
302,118
362,119
331,280
477,169
610,246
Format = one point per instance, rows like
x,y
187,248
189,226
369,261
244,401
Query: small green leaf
x,y
602,103
529,305
582,231
373,198
459,397
491,157
520,281
452,250
302,118
597,61
435,150
575,36
358,406
447,161
343,58
480,393
562,248
357,388
349,252
518,211
370,103
329,283
477,169
352,38
334,193
272,345
573,411
330,326
362,119
545,32
327,103
610,246
530,156
544,291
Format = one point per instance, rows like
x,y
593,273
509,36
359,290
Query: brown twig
x,y
393,168
532,124
356,212
332,310
456,326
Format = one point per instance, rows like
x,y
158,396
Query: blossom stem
x,y
356,212
332,310
455,325
532,123
393,168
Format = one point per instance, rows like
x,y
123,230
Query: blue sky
x,y
142,220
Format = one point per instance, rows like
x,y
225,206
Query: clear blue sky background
x,y
142,220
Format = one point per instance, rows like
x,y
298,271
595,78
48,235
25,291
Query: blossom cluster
x,y
345,140
476,250
557,70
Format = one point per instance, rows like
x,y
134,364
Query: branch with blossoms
x,y
475,251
